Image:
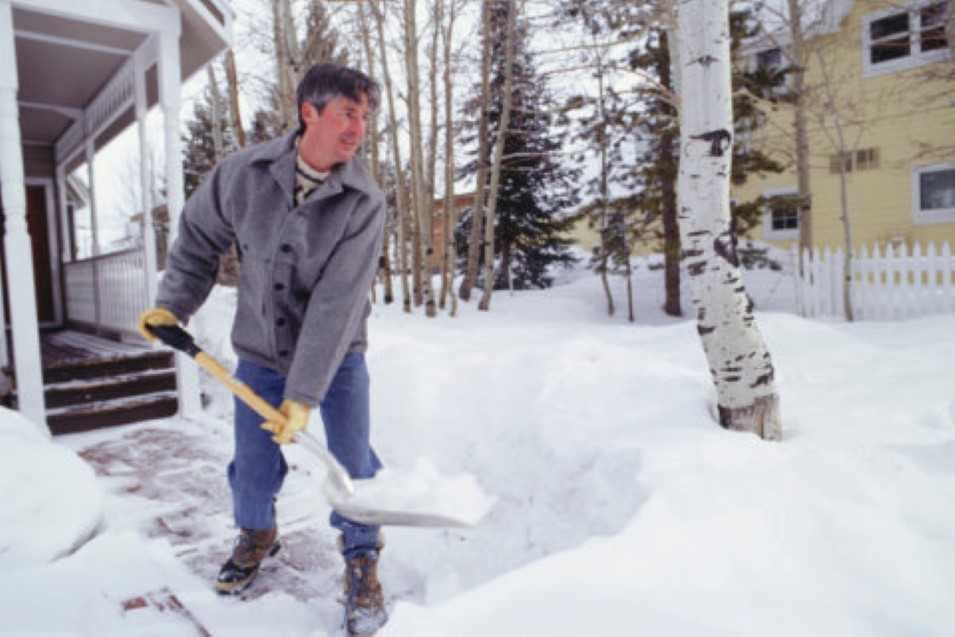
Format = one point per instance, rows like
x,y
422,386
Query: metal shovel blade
x,y
432,503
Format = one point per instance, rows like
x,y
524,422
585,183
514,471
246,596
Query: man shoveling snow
x,y
307,221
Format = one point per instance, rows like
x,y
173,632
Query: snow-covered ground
x,y
622,508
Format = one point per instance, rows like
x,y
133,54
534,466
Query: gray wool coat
x,y
306,271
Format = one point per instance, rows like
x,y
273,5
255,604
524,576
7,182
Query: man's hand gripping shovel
x,y
389,499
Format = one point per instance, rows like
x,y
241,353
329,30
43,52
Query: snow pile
x,y
621,507
422,492
51,502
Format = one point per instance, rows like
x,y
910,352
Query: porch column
x,y
170,84
145,182
17,247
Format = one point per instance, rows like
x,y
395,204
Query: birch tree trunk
x,y
450,209
799,62
232,81
283,35
832,109
480,185
503,124
739,361
604,189
384,262
422,206
401,190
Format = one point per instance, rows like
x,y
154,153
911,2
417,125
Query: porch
x,y
80,249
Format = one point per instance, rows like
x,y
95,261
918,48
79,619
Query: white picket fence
x,y
886,283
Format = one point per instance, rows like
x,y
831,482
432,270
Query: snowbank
x,y
51,501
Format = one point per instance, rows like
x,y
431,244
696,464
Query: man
x,y
307,221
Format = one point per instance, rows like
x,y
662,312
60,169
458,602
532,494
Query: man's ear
x,y
309,113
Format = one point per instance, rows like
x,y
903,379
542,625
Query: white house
x,y
73,75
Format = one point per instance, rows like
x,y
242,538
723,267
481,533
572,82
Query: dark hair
x,y
324,82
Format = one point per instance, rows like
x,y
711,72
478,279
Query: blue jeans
x,y
258,468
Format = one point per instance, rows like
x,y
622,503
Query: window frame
x,y
771,234
923,217
916,57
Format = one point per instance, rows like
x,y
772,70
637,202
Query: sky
x,y
620,506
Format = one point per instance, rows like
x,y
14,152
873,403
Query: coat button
x,y
283,353
285,248
278,287
280,321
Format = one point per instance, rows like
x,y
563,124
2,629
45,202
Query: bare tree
x,y
232,81
450,209
374,134
480,184
739,361
422,205
401,189
799,60
286,54
504,123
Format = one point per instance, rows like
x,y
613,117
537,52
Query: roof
x,y
64,57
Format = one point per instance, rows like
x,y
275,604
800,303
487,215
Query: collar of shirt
x,y
307,179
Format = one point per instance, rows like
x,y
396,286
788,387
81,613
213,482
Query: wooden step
x,y
107,413
107,367
80,392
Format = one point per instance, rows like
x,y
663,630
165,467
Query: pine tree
x,y
198,149
200,156
537,192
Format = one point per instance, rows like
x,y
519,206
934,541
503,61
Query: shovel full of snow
x,y
420,497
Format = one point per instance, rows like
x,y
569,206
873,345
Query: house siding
x,y
906,115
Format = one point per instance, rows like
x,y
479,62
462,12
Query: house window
x,y
867,159
770,59
781,216
860,160
933,194
900,38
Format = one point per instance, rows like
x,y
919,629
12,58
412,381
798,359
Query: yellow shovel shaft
x,y
249,397
337,474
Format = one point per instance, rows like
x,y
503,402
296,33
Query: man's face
x,y
332,136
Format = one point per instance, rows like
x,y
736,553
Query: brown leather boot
x,y
364,602
251,547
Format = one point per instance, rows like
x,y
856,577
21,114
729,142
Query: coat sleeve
x,y
337,305
192,264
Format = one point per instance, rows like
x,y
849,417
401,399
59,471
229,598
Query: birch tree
x,y
799,59
509,37
422,205
401,189
480,182
450,209
739,361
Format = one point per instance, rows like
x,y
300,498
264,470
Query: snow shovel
x,y
421,498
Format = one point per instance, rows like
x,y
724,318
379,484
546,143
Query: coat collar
x,y
279,154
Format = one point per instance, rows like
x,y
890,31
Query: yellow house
x,y
882,75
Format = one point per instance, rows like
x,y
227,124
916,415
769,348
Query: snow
x,y
620,506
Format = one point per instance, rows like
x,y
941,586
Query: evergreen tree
x,y
198,148
537,192
199,157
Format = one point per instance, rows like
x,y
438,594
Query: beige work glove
x,y
156,316
296,419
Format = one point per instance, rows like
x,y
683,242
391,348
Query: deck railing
x,y
107,292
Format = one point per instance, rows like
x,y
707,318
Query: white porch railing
x,y
885,283
107,291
